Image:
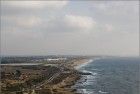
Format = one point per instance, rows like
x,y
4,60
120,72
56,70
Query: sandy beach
x,y
79,63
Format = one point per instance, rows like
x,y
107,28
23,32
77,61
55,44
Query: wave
x,y
102,92
105,74
85,91
86,80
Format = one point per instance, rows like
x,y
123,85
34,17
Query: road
x,y
38,86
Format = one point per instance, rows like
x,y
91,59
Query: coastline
x,y
65,86
61,83
76,66
83,63
84,73
76,76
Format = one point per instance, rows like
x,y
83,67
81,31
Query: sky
x,y
70,28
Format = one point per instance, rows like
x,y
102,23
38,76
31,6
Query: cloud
x,y
69,27
108,27
69,23
35,4
112,7
80,22
25,22
29,22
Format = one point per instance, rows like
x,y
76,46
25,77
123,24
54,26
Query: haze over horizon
x,y
70,28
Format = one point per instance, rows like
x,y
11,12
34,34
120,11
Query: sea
x,y
116,75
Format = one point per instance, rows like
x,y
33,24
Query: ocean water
x,y
110,76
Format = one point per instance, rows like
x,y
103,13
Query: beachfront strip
x,y
53,76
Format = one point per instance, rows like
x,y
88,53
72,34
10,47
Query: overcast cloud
x,y
70,28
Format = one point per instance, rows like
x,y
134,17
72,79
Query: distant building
x,y
56,59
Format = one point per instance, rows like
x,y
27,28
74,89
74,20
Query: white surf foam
x,y
86,80
102,92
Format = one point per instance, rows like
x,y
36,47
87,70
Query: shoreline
x,y
65,86
60,83
76,66
87,73
82,64
75,76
